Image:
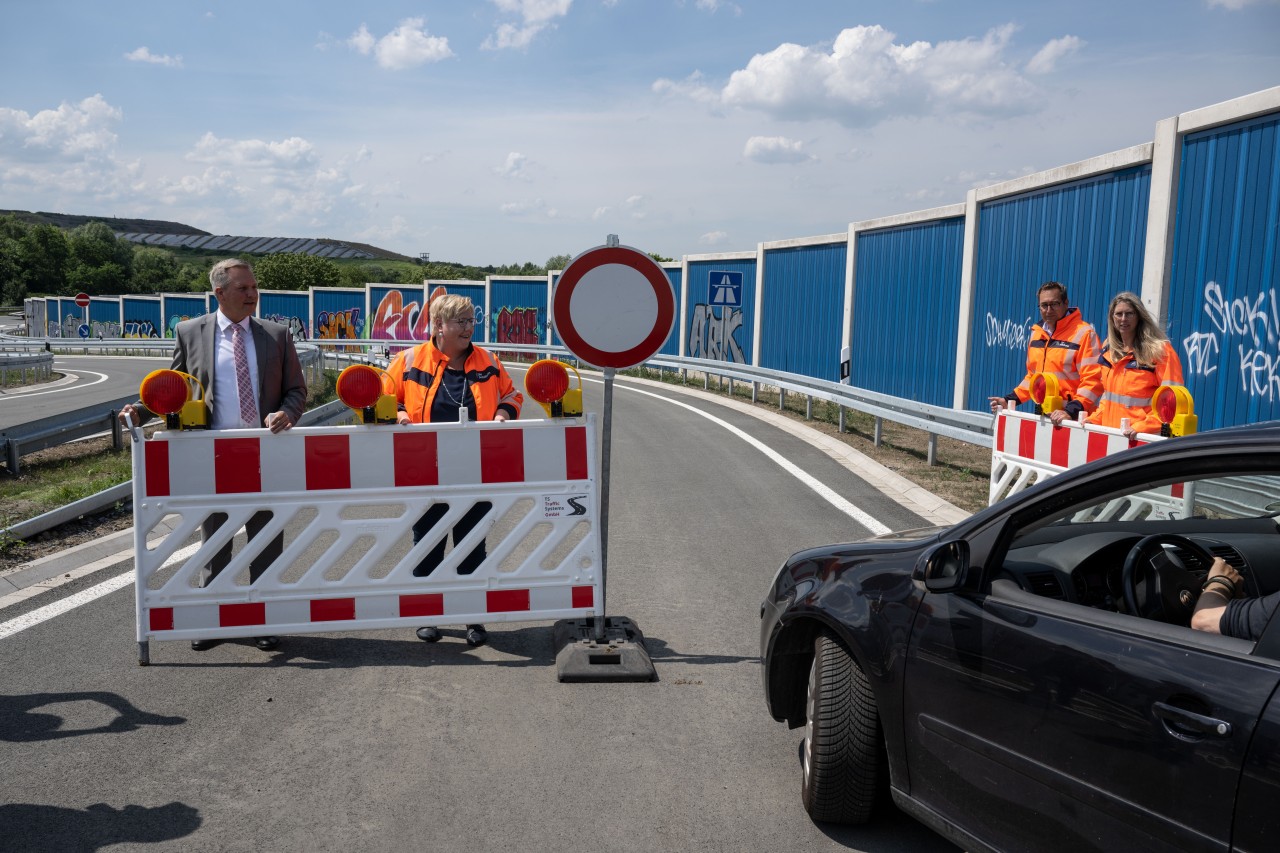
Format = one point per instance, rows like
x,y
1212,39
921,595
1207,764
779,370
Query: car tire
x,y
841,754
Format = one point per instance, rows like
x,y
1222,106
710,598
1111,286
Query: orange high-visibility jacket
x,y
1127,387
415,376
1072,354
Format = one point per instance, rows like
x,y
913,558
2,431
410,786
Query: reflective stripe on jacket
x,y
1128,386
1072,354
414,374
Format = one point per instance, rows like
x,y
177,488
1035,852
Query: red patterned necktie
x,y
248,407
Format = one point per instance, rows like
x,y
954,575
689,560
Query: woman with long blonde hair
x,y
1136,360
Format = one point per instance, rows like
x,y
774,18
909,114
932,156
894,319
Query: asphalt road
x,y
377,741
88,380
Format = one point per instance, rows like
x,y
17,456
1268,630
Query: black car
x,y
1028,680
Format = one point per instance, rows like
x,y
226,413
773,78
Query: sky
x,y
505,131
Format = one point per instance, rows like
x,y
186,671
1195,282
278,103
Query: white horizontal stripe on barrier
x,y
345,499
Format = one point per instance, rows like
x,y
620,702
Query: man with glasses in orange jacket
x,y
1065,346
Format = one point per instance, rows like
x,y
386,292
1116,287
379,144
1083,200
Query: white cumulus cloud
x,y
71,131
287,154
1047,57
514,167
142,54
407,46
535,16
775,149
714,238
866,76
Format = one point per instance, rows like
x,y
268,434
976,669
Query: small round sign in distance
x,y
82,300
613,307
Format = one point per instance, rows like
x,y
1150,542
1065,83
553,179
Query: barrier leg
x,y
144,653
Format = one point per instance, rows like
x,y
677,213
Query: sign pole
x,y
606,443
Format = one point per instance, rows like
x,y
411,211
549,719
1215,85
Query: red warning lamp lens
x,y
1038,389
547,381
1167,405
164,391
359,386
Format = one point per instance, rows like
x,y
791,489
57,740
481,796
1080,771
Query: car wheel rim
x,y
810,706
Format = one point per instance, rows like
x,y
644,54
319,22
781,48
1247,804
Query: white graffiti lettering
x,y
714,337
1243,315
1259,373
1007,333
1202,353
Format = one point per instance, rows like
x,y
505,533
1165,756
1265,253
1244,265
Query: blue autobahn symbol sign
x,y
724,288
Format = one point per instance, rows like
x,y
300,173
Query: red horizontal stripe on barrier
x,y
237,465
423,604
239,615
506,600
1059,444
160,618
502,456
415,456
157,458
1027,439
575,454
328,461
583,596
332,609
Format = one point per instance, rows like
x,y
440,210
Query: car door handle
x,y
1189,722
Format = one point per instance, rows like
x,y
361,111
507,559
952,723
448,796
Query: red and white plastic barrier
x,y
346,499
1028,448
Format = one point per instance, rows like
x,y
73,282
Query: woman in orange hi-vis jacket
x,y
1136,360
432,382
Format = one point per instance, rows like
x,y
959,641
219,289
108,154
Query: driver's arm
x,y
1213,599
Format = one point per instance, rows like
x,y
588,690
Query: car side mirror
x,y
946,566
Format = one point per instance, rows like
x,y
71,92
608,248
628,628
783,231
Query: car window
x,y
1223,497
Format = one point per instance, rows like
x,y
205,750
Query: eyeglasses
x,y
1049,306
465,322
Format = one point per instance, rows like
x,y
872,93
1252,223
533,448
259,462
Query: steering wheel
x,y
1156,583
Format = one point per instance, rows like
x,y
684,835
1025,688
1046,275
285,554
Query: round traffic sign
x,y
613,307
82,299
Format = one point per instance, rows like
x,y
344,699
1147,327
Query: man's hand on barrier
x,y
278,422
402,418
1058,416
997,403
128,416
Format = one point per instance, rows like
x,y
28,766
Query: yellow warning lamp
x,y
1175,409
547,381
361,388
168,392
1044,393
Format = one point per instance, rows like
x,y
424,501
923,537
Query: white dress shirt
x,y
226,390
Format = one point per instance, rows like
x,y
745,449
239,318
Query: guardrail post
x,y
11,456
730,386
706,381
841,408
755,390
117,434
808,408
933,448
782,399
878,433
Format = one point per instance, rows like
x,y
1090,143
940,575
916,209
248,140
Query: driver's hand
x,y
1221,569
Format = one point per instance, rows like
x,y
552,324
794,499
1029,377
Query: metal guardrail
x,y
39,363
28,438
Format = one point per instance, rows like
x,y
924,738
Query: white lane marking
x,y
84,596
825,492
75,386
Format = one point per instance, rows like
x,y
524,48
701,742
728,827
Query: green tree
x,y
47,254
154,270
296,272
100,264
13,288
558,262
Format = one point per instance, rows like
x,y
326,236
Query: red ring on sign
x,y
574,274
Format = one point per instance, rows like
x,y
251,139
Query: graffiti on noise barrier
x,y
1255,320
713,334
1007,333
393,320
104,329
297,329
140,329
517,326
337,325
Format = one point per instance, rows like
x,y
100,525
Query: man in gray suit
x,y
270,376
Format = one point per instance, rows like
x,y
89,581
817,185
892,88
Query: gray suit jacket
x,y
283,386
